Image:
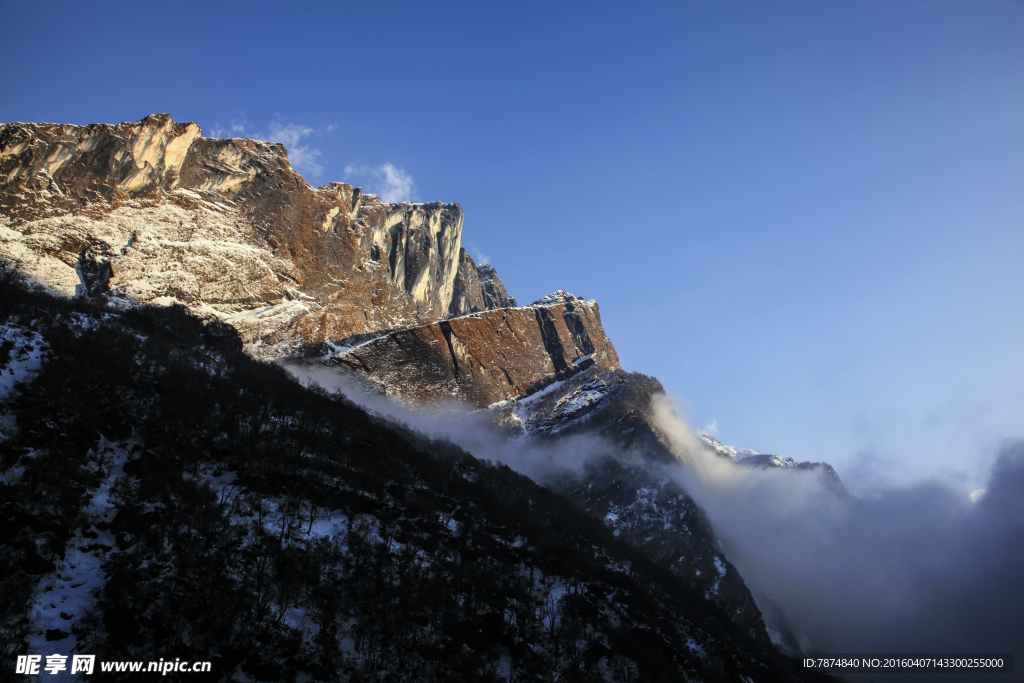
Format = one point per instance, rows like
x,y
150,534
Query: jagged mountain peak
x,y
557,297
154,212
493,289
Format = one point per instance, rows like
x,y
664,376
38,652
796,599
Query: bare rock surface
x,y
155,212
494,294
467,292
484,357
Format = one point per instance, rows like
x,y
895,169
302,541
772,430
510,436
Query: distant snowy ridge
x,y
749,458
727,451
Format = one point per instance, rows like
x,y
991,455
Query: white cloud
x,y
711,428
902,569
236,128
390,182
479,257
302,157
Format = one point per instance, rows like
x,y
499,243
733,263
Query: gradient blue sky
x,y
804,218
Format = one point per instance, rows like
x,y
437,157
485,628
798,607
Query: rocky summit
x,y
152,211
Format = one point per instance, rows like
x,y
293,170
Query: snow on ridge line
x,y
555,298
737,453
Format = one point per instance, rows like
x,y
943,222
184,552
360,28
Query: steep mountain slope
x,y
213,509
153,211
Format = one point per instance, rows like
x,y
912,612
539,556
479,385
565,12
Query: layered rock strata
x,y
155,212
485,357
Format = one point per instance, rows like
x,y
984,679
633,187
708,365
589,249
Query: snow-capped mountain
x,y
727,451
749,458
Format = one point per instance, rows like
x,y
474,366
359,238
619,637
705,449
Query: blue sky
x,y
804,218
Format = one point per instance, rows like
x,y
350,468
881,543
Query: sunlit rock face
x,y
483,357
155,212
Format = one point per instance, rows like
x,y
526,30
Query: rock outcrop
x,y
485,357
467,292
155,212
494,294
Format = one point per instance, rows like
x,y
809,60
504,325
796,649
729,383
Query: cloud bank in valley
x,y
474,432
921,568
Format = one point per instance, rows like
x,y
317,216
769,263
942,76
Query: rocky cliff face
x,y
494,294
467,292
155,212
484,357
477,288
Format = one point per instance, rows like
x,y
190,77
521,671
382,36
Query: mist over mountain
x,y
457,487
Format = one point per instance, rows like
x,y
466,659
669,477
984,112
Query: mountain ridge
x,y
153,211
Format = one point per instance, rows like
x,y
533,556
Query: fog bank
x,y
920,568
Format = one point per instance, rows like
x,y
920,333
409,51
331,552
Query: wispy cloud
x,y
390,182
302,157
479,257
711,428
236,128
